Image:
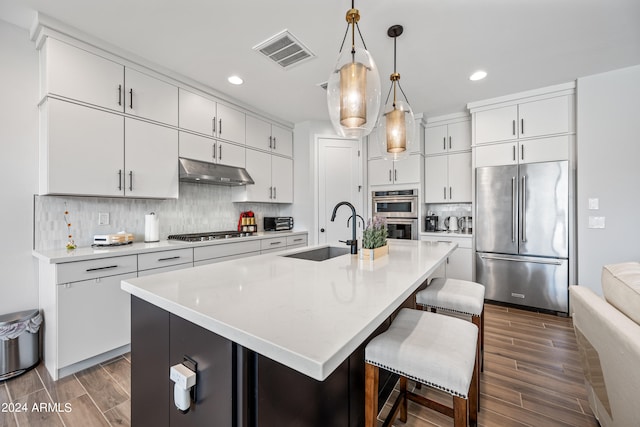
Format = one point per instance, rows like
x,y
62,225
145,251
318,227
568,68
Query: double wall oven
x,y
400,209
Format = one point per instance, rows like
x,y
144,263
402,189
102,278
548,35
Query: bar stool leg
x,y
474,393
459,412
403,407
371,375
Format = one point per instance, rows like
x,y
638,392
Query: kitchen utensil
x,y
451,223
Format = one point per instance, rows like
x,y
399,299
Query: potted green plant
x,y
374,239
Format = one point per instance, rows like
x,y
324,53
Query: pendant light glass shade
x,y
395,128
353,89
395,131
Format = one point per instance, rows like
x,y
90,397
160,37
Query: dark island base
x,y
236,387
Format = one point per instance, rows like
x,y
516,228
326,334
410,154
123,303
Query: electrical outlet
x,y
594,204
596,222
103,218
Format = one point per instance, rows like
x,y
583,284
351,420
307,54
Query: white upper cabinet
x,y
89,152
385,172
452,137
208,117
150,160
205,149
263,135
273,177
197,113
73,73
448,178
527,119
150,98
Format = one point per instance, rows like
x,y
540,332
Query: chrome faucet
x,y
353,242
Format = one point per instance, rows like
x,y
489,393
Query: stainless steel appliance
x,y
522,234
400,209
451,223
465,224
278,223
431,223
210,235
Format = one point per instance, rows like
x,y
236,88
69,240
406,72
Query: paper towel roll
x,y
151,233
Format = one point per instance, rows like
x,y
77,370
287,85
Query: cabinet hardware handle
x,y
131,98
444,143
521,126
120,95
274,142
524,208
213,151
522,152
101,268
298,240
445,192
130,180
449,143
120,179
513,127
271,192
389,175
275,243
395,174
169,258
513,209
450,196
535,261
275,196
220,126
270,142
220,151
214,125
443,241
513,149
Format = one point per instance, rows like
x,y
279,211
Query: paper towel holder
x,y
151,234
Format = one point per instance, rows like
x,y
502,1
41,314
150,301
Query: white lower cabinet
x,y
94,317
459,265
274,244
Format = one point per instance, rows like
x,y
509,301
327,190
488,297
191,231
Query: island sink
x,y
320,254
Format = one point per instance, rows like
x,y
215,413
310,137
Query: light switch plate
x,y
103,218
596,222
594,204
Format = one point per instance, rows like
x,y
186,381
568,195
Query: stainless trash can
x,y
19,342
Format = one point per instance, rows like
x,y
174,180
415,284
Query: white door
x,y
408,170
380,172
282,141
150,98
459,177
339,179
197,113
282,179
436,179
259,167
258,134
231,124
498,124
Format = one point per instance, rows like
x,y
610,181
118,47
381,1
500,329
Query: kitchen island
x,y
278,340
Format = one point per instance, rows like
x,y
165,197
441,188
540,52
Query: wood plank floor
x,y
532,377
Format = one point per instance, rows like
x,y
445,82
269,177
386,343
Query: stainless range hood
x,y
211,173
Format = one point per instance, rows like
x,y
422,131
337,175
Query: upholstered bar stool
x,y
456,296
435,350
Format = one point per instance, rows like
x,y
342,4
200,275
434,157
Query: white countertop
x,y
57,256
307,315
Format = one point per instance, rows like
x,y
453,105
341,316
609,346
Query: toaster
x,y
278,223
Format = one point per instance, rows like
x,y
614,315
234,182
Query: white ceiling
x,y
522,44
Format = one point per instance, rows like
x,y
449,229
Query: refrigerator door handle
x,y
524,208
530,260
513,208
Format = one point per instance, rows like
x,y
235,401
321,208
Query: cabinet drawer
x,y
84,270
227,249
297,240
165,258
273,243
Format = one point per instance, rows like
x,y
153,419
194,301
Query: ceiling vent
x,y
284,49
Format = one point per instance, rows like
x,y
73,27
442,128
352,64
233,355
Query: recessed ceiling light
x,y
478,75
235,80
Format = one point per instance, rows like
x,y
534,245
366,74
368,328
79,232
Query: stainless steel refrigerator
x,y
522,234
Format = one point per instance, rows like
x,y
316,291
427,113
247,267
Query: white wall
x,y
608,162
19,170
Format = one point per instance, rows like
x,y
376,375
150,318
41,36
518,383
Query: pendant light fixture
x,y
395,129
353,90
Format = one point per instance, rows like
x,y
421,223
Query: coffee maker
x,y
431,223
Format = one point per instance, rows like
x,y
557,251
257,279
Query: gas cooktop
x,y
211,235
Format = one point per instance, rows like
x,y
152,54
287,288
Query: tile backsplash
x,y
200,208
